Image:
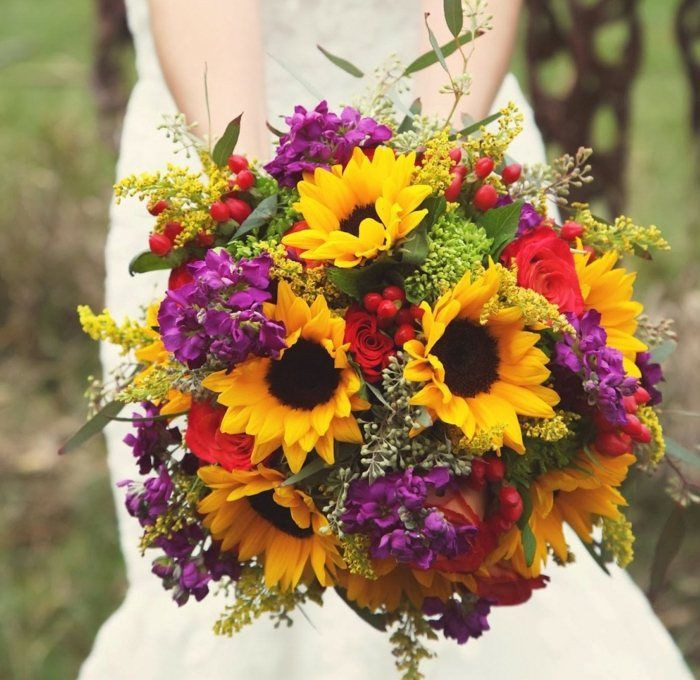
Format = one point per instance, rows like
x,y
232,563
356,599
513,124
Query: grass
x,y
59,560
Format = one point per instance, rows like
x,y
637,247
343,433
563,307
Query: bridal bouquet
x,y
382,365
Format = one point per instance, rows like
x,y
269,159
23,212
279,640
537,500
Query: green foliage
x,y
407,643
430,58
225,146
341,63
500,225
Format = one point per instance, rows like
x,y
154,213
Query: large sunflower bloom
x,y
609,290
304,399
479,376
357,212
250,512
576,495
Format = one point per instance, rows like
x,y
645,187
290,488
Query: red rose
x,y
207,442
546,265
369,347
506,587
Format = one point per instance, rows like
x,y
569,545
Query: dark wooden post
x,y
688,33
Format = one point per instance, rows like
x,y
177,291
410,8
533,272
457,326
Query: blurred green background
x,y
60,567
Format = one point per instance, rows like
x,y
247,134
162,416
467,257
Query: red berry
x,y
159,244
404,317
238,210
371,301
452,191
393,293
630,404
511,173
172,230
456,154
508,496
477,474
495,470
613,443
512,512
237,163
602,423
485,197
592,253
500,523
404,333
386,310
633,426
644,436
245,179
641,396
204,239
297,226
570,231
483,167
179,277
459,171
219,212
417,312
157,208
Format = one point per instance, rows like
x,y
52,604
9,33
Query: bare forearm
x,y
224,37
488,64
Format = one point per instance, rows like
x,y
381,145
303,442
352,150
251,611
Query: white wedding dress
x,y
584,625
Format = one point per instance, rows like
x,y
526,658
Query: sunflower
x,y
576,495
609,290
251,512
357,212
479,376
304,399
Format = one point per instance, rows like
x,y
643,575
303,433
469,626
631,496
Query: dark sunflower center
x,y
470,357
351,224
304,377
277,515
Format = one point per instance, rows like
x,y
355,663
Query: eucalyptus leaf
x,y
667,547
150,262
263,213
500,225
378,394
430,58
529,544
677,450
596,555
664,350
475,127
225,146
314,467
454,17
341,63
436,47
413,111
273,129
93,426
378,621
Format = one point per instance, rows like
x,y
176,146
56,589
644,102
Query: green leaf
x,y
341,63
593,549
667,547
263,213
413,111
314,467
378,621
475,127
377,393
414,249
454,18
529,544
430,58
436,47
677,450
357,281
150,262
500,225
93,426
273,129
225,146
664,350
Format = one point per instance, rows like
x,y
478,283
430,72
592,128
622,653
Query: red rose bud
x,y
630,404
511,173
172,230
179,277
452,191
483,167
238,210
613,443
477,474
570,231
641,396
371,301
404,333
245,179
456,154
204,239
159,244
157,208
644,436
417,312
495,469
219,212
633,426
386,309
237,163
393,293
485,197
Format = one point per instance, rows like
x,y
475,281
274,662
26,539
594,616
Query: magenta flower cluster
x,y
319,139
219,314
394,512
152,437
458,619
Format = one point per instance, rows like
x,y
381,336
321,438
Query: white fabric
x,y
583,625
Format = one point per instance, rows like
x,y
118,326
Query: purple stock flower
x,y
320,138
529,217
148,500
598,369
651,375
459,620
219,314
152,437
394,512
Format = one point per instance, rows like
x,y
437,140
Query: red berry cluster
x,y
230,208
244,178
614,440
570,230
392,309
459,171
491,469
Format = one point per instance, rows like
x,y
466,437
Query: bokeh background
x,y
64,74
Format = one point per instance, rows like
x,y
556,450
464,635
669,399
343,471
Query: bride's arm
x,y
487,66
226,37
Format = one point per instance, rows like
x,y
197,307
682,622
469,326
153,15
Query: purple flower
x,y
219,314
152,437
319,139
529,217
459,619
395,513
651,375
148,500
585,364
